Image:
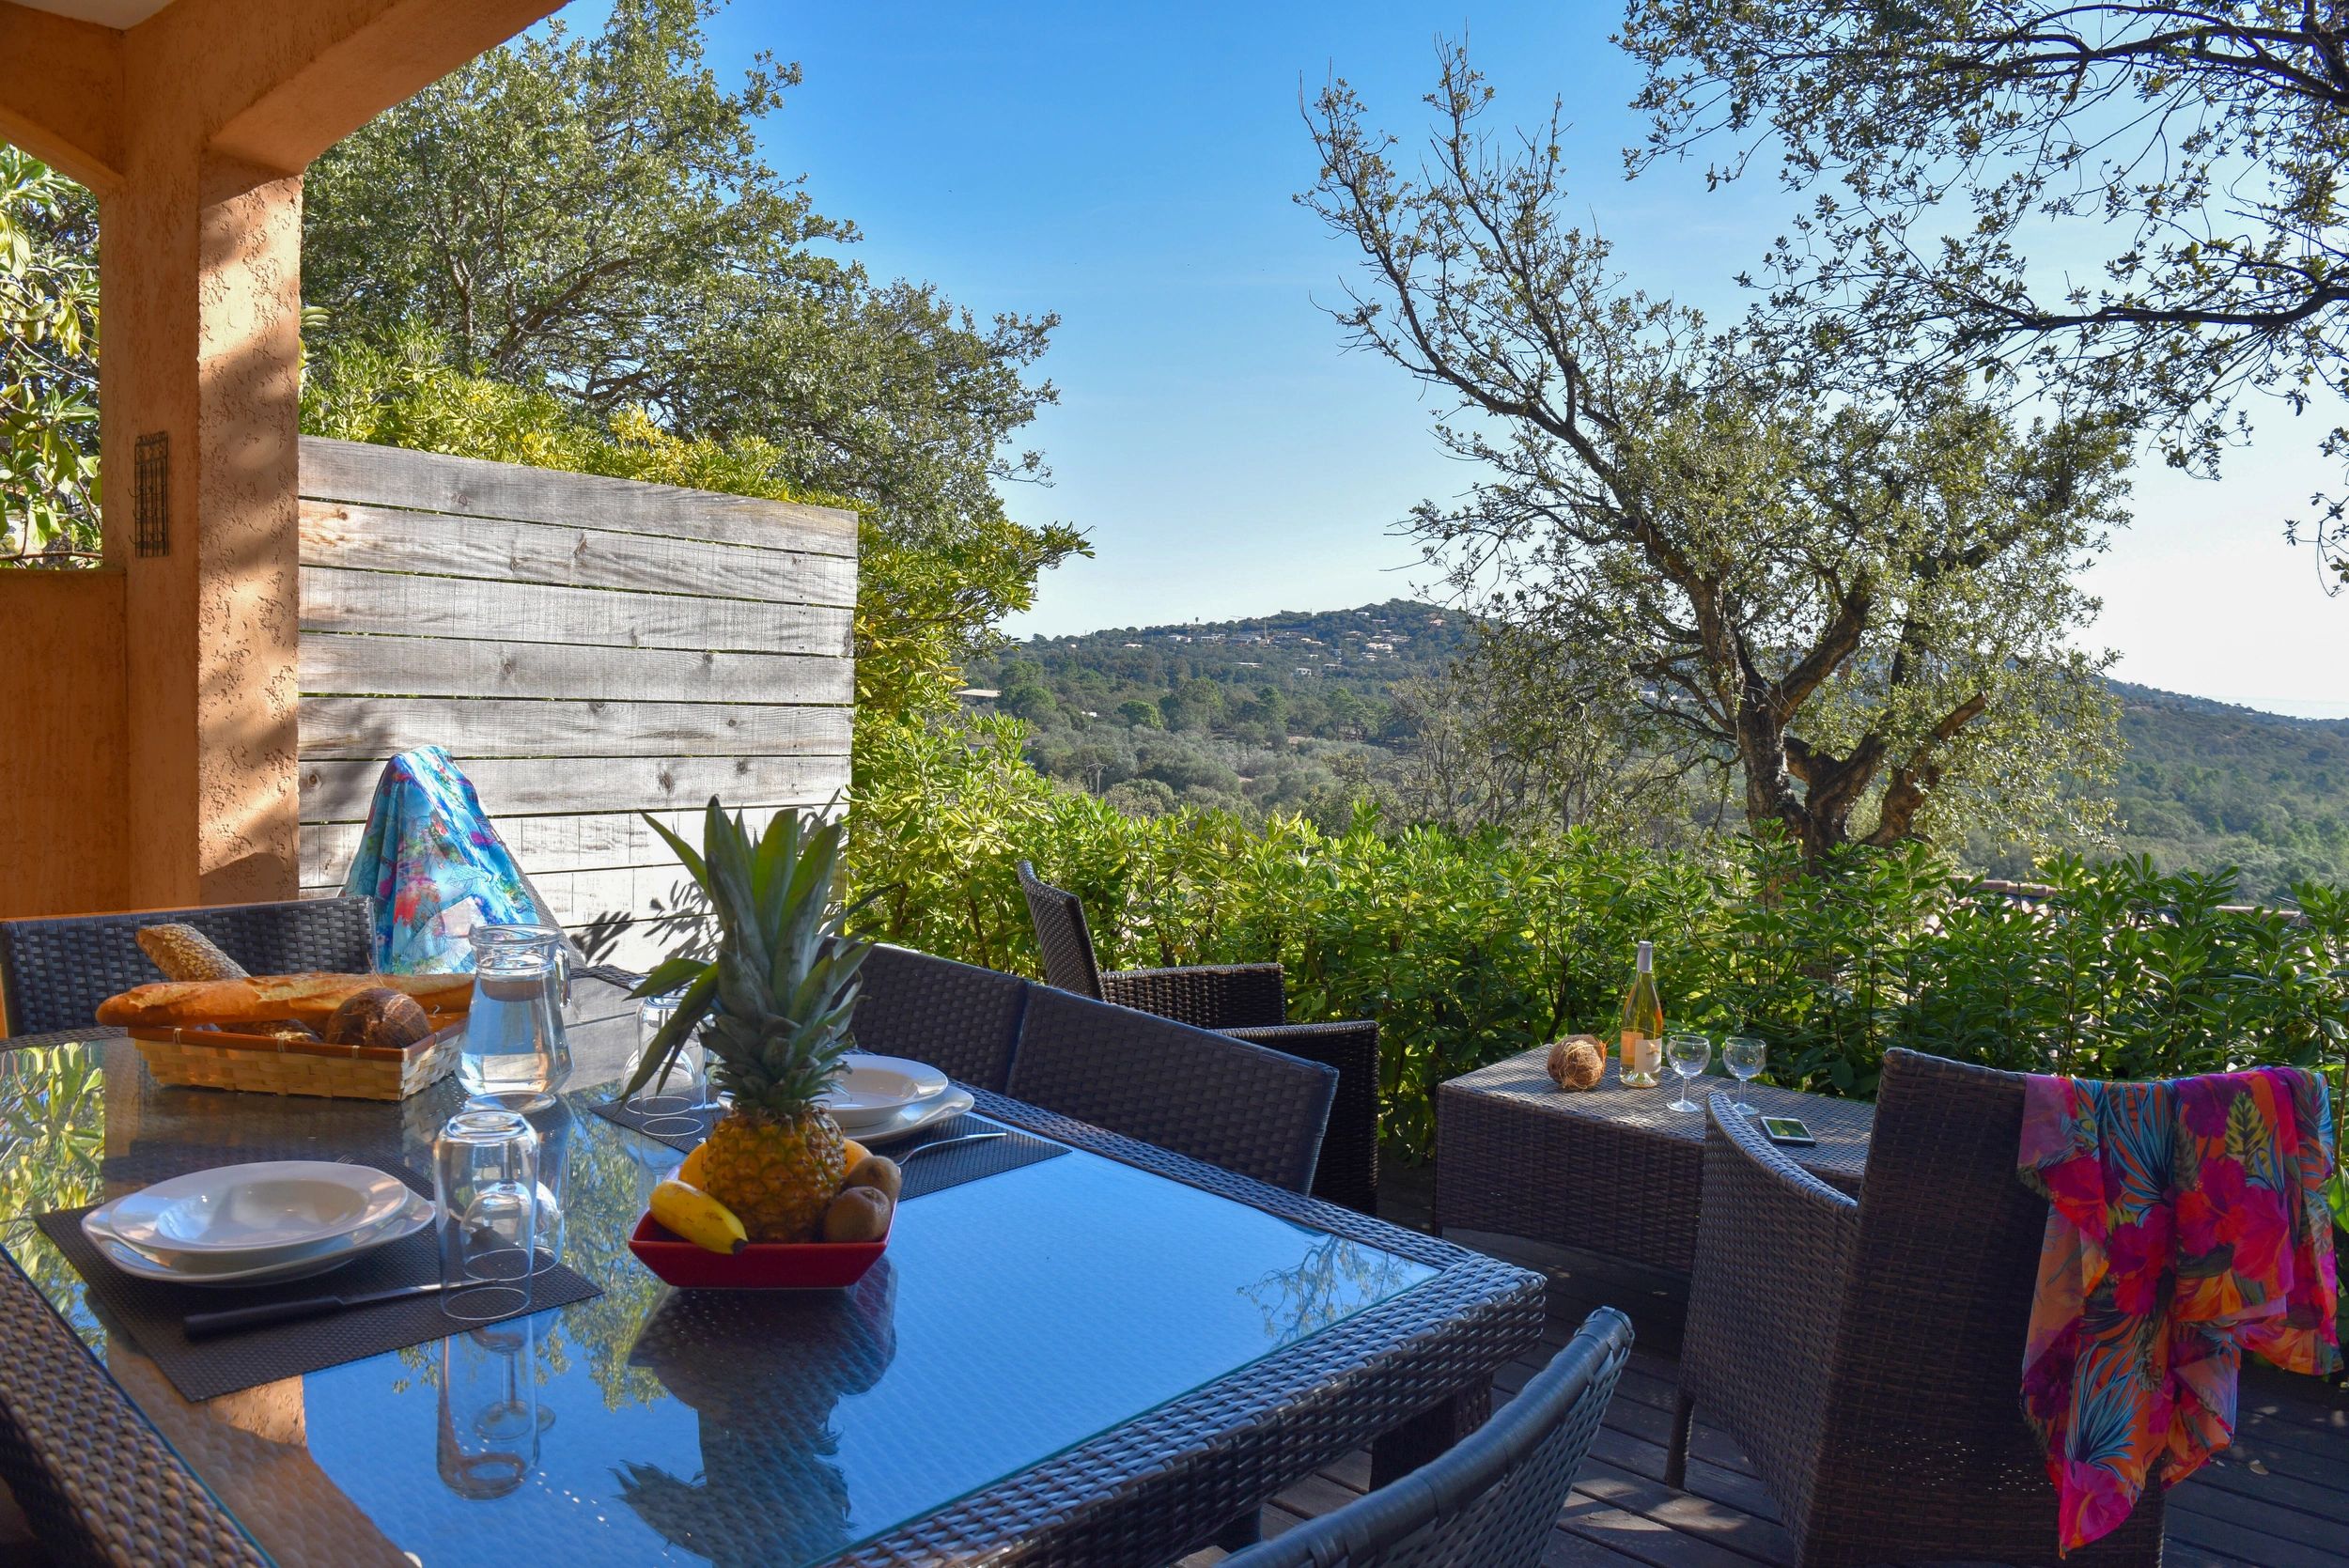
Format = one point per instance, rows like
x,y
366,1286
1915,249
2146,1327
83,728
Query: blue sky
x,y
1132,167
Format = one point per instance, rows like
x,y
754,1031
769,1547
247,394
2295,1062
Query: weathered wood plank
x,y
591,841
379,727
447,667
513,787
379,538
333,599
426,481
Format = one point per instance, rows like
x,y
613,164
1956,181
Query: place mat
x,y
144,1164
931,1173
150,1312
619,1112
953,1167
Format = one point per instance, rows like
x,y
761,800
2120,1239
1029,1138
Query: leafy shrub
x,y
1470,948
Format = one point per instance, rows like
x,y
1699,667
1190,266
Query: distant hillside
x,y
2205,783
1293,712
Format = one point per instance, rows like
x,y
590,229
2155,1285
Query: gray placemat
x,y
931,1173
953,1167
619,1112
150,1312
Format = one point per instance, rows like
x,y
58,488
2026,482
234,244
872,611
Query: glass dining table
x,y
1094,1358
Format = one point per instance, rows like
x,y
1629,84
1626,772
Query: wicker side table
x,y
1609,1170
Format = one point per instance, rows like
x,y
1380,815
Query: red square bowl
x,y
761,1265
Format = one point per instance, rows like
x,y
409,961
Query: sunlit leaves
x,y
47,361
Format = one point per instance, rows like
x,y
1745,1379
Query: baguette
x,y
309,999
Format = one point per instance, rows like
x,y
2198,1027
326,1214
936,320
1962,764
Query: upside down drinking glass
x,y
485,1180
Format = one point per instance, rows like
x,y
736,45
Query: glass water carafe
x,y
515,1053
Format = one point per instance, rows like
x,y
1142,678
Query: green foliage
x,y
584,226
1468,947
48,360
2186,160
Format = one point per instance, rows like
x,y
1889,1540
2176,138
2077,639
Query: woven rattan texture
x,y
1206,996
1347,1170
150,1312
1492,1501
1060,932
94,1479
1145,1493
1242,1000
962,1021
1910,1387
1206,1095
54,972
1608,1170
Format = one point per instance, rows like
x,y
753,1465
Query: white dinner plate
x,y
872,1089
328,1256
913,1118
255,1211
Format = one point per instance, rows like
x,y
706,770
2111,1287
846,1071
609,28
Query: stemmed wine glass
x,y
1689,1054
1743,1055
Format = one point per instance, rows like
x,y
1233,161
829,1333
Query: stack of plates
x,y
880,1099
256,1224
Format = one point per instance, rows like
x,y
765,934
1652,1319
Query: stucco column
x,y
202,278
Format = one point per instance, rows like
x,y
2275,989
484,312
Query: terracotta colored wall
x,y
194,127
62,778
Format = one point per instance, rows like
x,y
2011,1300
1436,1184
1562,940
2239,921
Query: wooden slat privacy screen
x,y
586,648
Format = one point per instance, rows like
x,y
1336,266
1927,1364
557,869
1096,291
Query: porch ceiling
x,y
106,13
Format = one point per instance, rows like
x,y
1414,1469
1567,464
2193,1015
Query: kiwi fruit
x,y
878,1173
857,1214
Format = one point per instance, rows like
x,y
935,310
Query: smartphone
x,y
1785,1130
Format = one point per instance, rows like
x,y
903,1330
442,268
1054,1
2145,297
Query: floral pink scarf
x,y
2186,1223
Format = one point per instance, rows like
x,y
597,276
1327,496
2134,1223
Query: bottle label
x,y
1643,1055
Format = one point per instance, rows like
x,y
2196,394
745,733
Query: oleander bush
x,y
1468,948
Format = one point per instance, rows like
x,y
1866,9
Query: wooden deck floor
x,y
2280,1499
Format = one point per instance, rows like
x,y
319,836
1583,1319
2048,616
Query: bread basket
x,y
212,1057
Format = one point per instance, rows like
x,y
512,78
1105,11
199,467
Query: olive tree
x,y
1866,608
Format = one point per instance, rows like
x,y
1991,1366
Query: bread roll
x,y
309,999
377,1016
183,953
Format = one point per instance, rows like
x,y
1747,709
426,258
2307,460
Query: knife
x,y
203,1326
949,1144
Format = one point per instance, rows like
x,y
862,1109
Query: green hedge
x,y
1468,949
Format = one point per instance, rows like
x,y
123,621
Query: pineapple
x,y
777,999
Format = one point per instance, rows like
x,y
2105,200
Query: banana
x,y
698,1217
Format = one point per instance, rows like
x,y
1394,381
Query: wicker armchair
x,y
1493,1501
1244,1001
1868,1354
1225,1101
53,972
963,1020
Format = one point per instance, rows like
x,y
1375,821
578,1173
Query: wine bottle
x,y
1643,1025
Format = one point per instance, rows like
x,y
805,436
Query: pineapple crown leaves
x,y
782,990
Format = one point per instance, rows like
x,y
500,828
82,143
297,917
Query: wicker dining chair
x,y
1244,1001
54,972
1490,1501
962,1021
1225,1101
1868,1353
